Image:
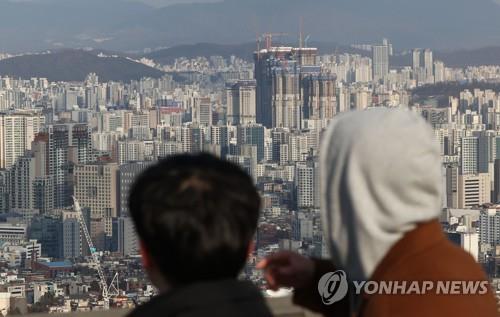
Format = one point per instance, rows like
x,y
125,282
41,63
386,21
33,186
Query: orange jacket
x,y
424,254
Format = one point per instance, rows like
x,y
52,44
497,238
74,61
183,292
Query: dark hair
x,y
196,215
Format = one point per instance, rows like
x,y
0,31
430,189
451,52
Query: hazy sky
x,y
156,3
159,3
439,24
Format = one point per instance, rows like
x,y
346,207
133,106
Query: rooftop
x,y
57,264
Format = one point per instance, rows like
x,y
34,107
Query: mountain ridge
x,y
457,58
74,65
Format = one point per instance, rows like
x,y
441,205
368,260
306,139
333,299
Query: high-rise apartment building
x,y
127,175
203,112
298,147
43,193
128,240
439,72
287,96
473,190
489,227
496,181
278,72
380,62
20,184
416,59
47,230
17,131
307,183
252,134
68,144
219,140
320,101
241,102
387,43
429,66
96,188
71,235
469,156
423,65
192,138
278,138
451,172
130,151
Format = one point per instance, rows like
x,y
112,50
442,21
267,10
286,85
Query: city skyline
x,y
70,151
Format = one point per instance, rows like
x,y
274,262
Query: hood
x,y
381,177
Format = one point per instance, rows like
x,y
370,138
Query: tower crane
x,y
268,38
113,288
306,40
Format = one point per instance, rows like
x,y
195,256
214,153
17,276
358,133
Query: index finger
x,y
278,258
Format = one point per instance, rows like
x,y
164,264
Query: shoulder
x,y
442,265
444,261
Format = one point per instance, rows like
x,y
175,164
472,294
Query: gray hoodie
x,y
381,176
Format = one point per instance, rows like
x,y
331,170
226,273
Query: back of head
x,y
381,177
196,216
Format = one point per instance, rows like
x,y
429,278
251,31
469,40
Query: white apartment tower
x,y
380,62
17,131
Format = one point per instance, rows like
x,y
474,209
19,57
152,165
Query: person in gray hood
x,y
381,197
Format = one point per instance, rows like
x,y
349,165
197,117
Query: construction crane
x,y
268,37
306,40
113,288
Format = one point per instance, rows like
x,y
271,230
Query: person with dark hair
x,y
196,216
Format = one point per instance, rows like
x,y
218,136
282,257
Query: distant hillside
x,y
459,58
476,57
168,55
74,65
244,50
442,91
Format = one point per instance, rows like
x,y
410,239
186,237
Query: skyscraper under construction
x,y
291,87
